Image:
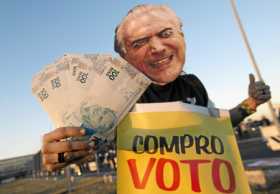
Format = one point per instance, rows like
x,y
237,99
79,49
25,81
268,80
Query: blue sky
x,y
34,33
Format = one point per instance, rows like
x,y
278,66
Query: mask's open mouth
x,y
161,63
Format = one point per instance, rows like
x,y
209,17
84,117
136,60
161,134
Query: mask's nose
x,y
156,46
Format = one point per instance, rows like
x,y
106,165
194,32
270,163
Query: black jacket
x,y
186,88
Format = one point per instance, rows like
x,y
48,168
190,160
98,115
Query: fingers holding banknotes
x,y
64,145
64,89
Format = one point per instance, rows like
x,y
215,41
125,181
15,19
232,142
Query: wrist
x,y
249,105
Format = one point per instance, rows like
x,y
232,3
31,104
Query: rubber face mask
x,y
154,43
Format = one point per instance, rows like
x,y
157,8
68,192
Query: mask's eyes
x,y
140,42
166,33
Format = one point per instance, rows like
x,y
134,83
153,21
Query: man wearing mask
x,y
150,38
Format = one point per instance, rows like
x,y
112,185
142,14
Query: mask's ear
x,y
181,33
123,52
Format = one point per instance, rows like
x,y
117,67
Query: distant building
x,y
14,168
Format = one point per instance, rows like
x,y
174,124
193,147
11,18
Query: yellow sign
x,y
176,148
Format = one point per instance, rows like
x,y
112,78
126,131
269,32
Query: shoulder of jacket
x,y
191,78
197,86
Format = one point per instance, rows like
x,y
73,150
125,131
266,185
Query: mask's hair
x,y
119,44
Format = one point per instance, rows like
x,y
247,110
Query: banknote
x,y
94,91
50,86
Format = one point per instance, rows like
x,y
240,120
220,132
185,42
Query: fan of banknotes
x,y
94,91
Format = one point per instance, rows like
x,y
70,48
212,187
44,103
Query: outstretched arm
x,y
259,93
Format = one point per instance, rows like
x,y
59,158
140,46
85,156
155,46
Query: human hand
x,y
258,91
58,151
